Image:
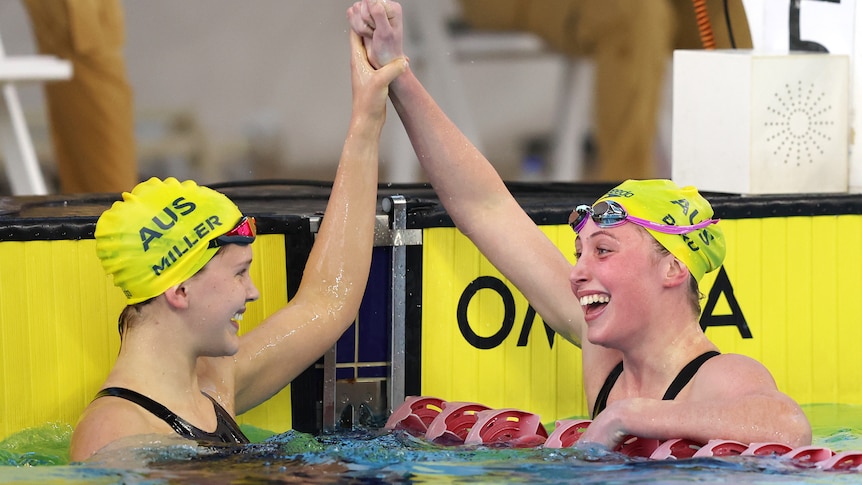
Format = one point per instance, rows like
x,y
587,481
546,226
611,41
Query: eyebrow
x,y
243,261
601,232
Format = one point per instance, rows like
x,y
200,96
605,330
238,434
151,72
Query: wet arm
x,y
336,271
469,187
746,407
483,209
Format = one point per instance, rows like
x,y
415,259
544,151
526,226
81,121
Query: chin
x,y
597,337
232,350
228,350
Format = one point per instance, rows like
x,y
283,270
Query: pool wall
x,y
788,295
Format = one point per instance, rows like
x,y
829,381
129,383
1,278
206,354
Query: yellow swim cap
x,y
158,235
663,202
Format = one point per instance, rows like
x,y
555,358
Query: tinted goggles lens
x,y
243,233
605,214
609,213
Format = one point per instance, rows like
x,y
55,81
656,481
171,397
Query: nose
x,y
578,275
251,291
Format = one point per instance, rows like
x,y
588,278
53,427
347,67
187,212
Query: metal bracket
x,y
396,206
390,231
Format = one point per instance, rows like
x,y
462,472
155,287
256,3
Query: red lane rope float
x,y
454,423
675,449
808,456
513,427
721,448
470,423
767,449
567,433
415,414
844,461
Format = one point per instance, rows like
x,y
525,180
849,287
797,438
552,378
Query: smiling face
x,y
617,279
217,299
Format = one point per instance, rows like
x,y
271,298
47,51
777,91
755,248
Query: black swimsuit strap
x,y
686,374
602,398
150,405
683,378
227,431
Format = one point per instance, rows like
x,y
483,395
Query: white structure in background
x,y
752,123
777,121
22,166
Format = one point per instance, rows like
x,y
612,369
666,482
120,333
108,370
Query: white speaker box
x,y
752,123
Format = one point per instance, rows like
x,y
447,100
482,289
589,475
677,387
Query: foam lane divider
x,y
469,423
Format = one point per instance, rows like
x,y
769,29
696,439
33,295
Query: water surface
x,y
369,456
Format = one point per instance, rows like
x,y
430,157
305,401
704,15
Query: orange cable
x,y
703,26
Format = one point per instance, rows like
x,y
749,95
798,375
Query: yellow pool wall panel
x,y
268,271
539,377
797,281
58,329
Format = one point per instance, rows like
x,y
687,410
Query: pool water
x,y
367,456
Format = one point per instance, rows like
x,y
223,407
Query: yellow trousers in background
x,y
91,116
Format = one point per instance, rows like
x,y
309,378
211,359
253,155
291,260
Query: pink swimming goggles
x,y
610,213
244,233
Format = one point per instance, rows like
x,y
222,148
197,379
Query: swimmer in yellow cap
x,y
181,254
630,302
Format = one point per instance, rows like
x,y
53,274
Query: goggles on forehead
x,y
244,233
610,213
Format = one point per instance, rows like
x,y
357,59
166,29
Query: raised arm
x,y
336,272
469,187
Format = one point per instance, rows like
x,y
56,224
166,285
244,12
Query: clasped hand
x,y
379,23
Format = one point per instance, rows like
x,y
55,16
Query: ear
x,y
676,273
177,296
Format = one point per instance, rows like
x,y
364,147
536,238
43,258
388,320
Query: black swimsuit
x,y
227,430
675,387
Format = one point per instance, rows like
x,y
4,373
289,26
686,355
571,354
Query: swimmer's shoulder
x,y
108,419
732,374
